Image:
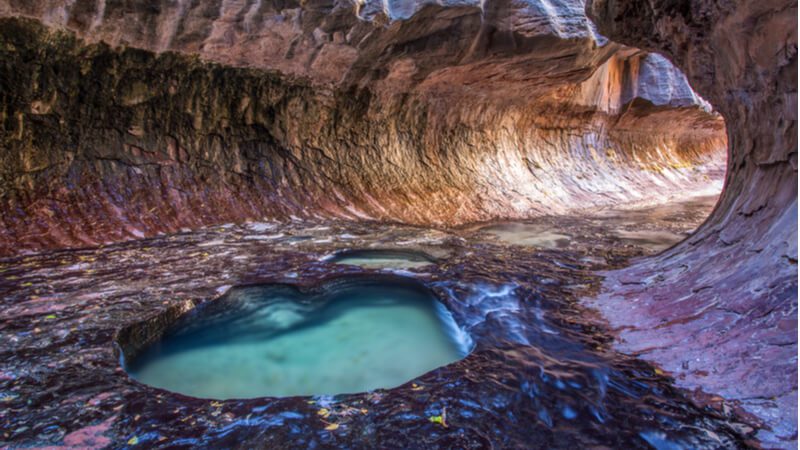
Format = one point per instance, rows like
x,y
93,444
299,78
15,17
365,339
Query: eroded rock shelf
x,y
537,352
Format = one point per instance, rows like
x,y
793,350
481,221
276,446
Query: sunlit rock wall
x,y
720,310
432,113
106,144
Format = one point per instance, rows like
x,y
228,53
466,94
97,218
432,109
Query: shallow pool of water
x,y
274,340
526,234
651,240
383,259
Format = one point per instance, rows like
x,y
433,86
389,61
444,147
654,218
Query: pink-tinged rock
x,y
89,438
737,276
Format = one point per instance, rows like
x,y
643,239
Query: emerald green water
x,y
276,341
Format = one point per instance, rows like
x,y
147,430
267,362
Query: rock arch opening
x,y
128,123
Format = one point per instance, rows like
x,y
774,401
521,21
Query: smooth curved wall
x,y
719,311
109,144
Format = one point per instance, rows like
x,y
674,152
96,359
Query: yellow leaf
x,y
364,411
333,426
323,412
659,371
133,441
441,420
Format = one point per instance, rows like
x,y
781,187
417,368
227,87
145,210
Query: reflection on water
x,y
382,259
276,341
652,229
528,234
655,241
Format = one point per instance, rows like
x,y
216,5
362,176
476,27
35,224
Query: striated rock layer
x,y
719,311
108,144
432,113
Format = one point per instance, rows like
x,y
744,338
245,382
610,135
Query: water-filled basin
x,y
526,234
382,259
653,241
348,336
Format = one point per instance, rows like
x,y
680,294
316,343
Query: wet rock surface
x,y
720,310
451,113
542,372
111,144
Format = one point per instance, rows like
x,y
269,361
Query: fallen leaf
x,y
333,426
133,441
438,419
441,420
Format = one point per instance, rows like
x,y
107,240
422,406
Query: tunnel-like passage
x,y
112,144
126,122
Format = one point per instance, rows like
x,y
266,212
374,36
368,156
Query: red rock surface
x,y
719,311
113,144
436,114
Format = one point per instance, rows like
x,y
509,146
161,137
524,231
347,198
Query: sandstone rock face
x,y
336,41
113,144
720,310
435,113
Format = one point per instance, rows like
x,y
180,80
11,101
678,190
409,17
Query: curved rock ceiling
x,y
435,113
459,113
732,286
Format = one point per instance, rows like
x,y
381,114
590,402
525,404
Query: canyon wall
x,y
123,119
720,310
452,114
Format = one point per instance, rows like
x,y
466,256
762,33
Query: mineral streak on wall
x,y
452,114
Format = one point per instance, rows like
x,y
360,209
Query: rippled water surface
x,y
276,341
